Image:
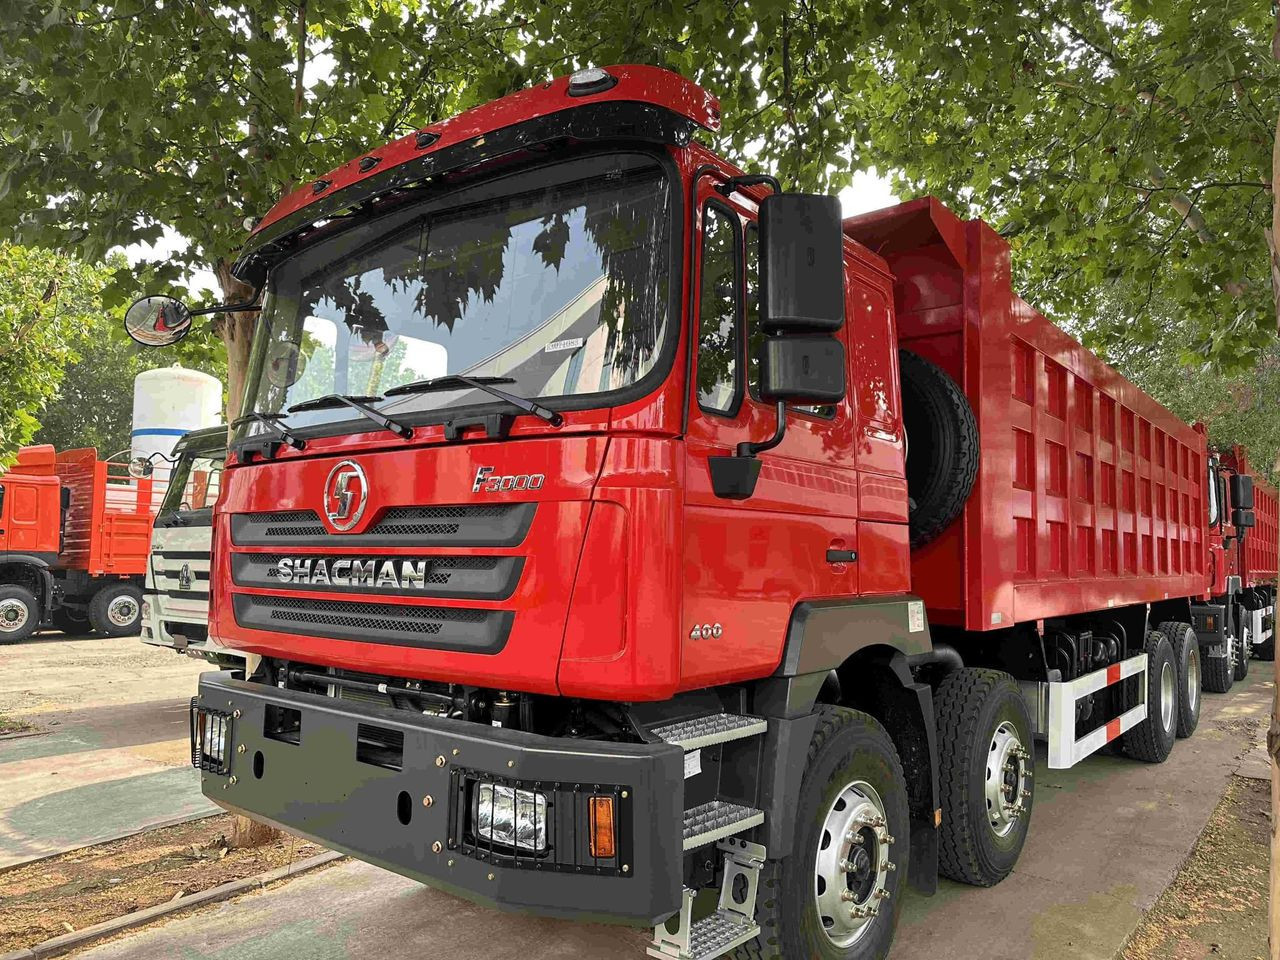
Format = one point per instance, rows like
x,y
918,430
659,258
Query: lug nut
x,y
847,896
440,761
882,894
888,866
437,847
845,866
854,838
887,839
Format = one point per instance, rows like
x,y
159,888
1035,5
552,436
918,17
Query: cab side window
x,y
719,313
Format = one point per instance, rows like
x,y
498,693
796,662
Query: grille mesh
x,y
497,524
377,616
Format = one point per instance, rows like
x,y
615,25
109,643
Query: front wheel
x,y
838,896
19,613
116,610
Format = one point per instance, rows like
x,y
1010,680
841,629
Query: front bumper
x,y
331,787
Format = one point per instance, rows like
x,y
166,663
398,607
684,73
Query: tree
x,y
44,300
93,407
121,120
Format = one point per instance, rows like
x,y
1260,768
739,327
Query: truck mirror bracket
x,y
734,477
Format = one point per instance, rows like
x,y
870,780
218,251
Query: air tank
x,y
168,402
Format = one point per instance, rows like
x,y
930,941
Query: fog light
x,y
210,739
510,817
589,81
602,845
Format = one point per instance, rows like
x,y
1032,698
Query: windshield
x,y
194,482
560,283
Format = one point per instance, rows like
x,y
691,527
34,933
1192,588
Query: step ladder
x,y
718,821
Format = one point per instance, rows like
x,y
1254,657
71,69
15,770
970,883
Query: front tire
x,y
116,610
1186,656
19,613
1152,739
851,812
986,766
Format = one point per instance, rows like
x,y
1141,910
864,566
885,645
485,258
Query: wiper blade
x,y
360,405
272,420
457,381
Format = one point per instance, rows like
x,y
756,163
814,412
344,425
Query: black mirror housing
x,y
802,369
801,264
1241,492
1243,519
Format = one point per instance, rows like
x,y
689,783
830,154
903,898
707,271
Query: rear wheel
x,y
1152,739
19,613
837,897
986,763
116,610
1219,672
1186,657
1244,650
71,621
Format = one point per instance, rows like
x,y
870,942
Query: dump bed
x,y
109,516
1258,562
1089,493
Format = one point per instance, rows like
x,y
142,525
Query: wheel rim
x,y
122,611
1193,678
13,615
1008,779
853,866
1167,686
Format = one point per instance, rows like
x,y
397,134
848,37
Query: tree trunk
x,y
236,330
1273,734
251,833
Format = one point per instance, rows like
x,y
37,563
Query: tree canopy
x,y
1123,146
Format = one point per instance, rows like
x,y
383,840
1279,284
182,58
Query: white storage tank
x,y
168,402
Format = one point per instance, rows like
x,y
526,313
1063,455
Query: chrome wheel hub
x,y
1193,678
13,615
853,866
122,611
1168,702
1008,780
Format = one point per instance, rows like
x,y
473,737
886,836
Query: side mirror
x,y
1241,492
141,467
801,264
802,369
1243,519
157,321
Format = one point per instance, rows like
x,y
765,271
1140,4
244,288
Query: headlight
x,y
146,609
510,817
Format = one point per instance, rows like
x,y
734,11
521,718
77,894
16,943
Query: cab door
x,y
748,562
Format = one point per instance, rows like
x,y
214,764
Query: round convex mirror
x,y
140,467
157,321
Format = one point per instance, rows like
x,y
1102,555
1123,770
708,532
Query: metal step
x,y
733,923
717,819
708,731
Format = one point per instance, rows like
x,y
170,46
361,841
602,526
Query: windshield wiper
x,y
360,405
271,420
457,382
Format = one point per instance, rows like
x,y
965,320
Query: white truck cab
x,y
175,611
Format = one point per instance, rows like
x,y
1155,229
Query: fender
x,y
40,567
823,634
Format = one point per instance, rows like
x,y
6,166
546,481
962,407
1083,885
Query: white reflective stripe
x,y
1064,749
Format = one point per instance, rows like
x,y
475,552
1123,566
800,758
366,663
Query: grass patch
x,y
10,725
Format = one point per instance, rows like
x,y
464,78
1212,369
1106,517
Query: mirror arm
x,y
749,449
248,306
747,180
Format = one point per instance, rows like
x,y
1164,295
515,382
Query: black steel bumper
x,y
335,780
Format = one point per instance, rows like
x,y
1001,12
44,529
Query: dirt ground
x,y
1217,905
87,886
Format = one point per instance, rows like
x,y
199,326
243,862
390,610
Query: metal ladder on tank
x,y
717,822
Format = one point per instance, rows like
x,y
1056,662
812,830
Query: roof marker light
x,y
589,81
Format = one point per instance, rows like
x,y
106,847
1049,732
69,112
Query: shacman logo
x,y
345,493
486,482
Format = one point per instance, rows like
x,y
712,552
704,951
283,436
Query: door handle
x,y
842,556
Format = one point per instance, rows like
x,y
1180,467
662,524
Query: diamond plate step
x,y
711,937
717,819
707,731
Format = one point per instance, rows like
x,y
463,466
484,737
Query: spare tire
x,y
942,446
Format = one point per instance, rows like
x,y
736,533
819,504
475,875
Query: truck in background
x,y
175,607
574,531
1243,554
74,535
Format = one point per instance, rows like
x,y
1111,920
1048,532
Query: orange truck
x,y
74,537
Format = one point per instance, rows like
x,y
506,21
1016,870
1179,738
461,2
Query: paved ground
x,y
1106,838
112,754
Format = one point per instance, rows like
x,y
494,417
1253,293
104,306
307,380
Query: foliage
x,y
45,299
1121,145
94,405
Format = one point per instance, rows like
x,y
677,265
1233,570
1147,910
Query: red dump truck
x,y
607,525
74,537
1243,560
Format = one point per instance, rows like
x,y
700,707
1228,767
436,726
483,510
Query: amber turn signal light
x,y
602,845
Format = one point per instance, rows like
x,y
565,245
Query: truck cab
x,y
175,610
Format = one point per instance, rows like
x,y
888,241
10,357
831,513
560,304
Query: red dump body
x,y
1258,562
1089,495
108,525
